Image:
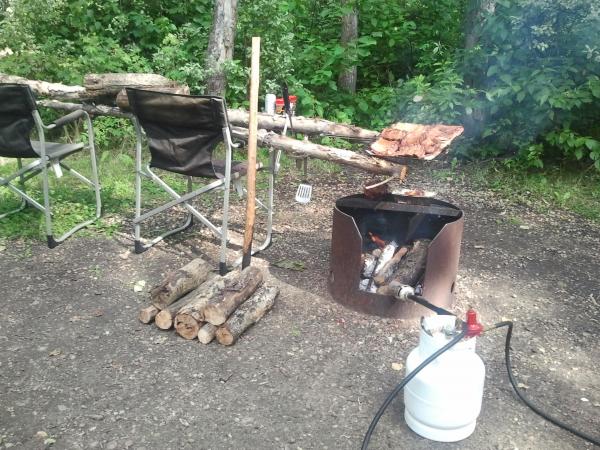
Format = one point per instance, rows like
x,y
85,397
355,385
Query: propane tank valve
x,y
474,328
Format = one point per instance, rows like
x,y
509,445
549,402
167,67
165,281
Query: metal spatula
x,y
304,191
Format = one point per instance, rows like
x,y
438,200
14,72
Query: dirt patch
x,y
77,366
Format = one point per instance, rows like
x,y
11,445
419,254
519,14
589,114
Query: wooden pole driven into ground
x,y
251,175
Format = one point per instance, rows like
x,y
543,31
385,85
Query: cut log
x,y
45,89
164,319
148,313
413,266
304,125
246,315
235,295
178,283
333,154
207,333
189,319
123,100
389,269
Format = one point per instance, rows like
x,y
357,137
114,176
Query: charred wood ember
x,y
385,270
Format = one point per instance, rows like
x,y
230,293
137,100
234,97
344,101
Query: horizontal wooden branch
x,y
324,152
45,89
267,139
304,125
93,110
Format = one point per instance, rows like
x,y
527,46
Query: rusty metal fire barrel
x,y
403,219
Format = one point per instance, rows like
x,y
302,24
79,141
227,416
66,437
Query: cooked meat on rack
x,y
415,140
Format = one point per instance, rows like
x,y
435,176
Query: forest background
x,y
522,76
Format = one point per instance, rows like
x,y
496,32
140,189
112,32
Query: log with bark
x,y
108,85
286,144
45,89
388,270
165,318
246,315
235,294
405,267
92,110
207,333
190,318
148,313
97,86
413,266
304,125
178,283
123,101
233,288
333,154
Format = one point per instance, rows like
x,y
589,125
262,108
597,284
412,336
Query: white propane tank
x,y
443,401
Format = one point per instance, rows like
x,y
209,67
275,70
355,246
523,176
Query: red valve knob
x,y
474,328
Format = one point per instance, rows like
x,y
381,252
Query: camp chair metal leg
x,y
139,246
183,200
94,183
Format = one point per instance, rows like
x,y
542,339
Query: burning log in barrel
x,y
384,269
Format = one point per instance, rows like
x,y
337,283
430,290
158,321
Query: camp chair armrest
x,y
71,117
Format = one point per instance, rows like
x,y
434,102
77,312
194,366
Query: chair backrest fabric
x,y
182,130
17,104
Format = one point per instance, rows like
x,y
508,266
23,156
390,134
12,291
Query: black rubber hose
x,y
427,304
405,381
525,400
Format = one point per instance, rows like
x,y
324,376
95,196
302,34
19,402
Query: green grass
x,y
566,188
72,202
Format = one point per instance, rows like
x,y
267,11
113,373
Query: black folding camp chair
x,y
18,116
182,131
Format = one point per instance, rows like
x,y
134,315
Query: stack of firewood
x,y
390,266
199,304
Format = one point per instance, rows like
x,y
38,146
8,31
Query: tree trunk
x,y
475,15
235,295
347,79
333,154
220,45
247,315
207,333
177,284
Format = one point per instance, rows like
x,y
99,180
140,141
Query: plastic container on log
x,y
443,401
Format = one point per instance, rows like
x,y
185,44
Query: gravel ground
x,y
78,371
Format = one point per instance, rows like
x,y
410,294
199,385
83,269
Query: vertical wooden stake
x,y
252,133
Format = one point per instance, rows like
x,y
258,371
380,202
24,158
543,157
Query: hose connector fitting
x,y
404,292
